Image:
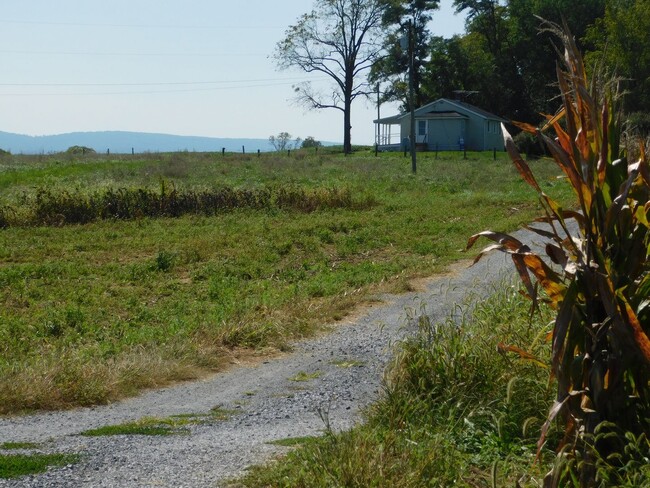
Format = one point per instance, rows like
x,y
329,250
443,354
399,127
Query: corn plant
x,y
596,277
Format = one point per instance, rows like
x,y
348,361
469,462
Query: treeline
x,y
505,61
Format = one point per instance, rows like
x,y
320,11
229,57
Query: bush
x,y
76,150
528,144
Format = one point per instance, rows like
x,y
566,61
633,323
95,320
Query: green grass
x,y
18,445
176,424
92,313
293,441
16,465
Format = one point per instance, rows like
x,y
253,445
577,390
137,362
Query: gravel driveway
x,y
343,369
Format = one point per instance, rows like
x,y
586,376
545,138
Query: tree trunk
x,y
347,114
347,137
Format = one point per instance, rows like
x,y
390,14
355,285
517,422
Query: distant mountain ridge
x,y
125,142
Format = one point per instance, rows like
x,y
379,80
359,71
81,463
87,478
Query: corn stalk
x,y
597,278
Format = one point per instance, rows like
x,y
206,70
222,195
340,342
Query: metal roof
x,y
426,112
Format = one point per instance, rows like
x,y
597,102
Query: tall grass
x,y
63,207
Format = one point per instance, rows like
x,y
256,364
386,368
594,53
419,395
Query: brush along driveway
x,y
326,380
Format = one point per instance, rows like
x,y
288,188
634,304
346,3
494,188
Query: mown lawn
x,y
94,312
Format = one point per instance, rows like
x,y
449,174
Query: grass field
x,y
91,313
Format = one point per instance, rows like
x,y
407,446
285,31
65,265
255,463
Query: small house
x,y
444,125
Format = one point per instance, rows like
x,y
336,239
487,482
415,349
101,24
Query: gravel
x,y
267,404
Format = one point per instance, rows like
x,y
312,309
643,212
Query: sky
x,y
185,67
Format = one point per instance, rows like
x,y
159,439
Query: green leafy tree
x,y
534,49
310,142
622,42
462,67
341,40
392,68
515,54
503,90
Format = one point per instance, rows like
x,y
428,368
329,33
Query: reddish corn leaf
x,y
507,241
522,270
552,121
521,353
554,412
604,149
562,324
566,214
563,139
566,164
487,250
625,321
520,164
557,254
640,337
547,278
531,129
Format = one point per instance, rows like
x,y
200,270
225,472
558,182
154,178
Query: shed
x,y
444,125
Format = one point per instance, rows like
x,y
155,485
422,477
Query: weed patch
x,y
18,445
65,207
16,465
176,424
301,376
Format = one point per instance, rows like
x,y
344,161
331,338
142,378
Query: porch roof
x,y
397,119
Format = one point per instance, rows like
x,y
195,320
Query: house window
x,y
422,127
493,127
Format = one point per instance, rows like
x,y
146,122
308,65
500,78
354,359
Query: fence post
x,y
494,153
288,152
132,151
258,153
223,151
243,150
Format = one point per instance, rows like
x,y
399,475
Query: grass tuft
x,y
302,376
17,465
18,445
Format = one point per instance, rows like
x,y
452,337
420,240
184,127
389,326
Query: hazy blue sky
x,y
191,67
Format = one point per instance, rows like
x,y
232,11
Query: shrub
x,y
80,150
526,143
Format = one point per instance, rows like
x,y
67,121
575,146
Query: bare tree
x,y
282,142
340,39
